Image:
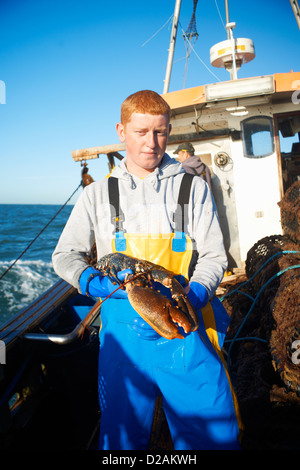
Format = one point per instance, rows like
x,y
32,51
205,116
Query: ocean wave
x,y
23,284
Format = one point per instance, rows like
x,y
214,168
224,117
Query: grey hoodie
x,y
148,205
195,166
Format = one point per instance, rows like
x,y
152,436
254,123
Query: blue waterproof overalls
x,y
136,364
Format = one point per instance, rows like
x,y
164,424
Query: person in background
x,y
136,363
191,163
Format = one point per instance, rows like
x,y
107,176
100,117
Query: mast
x,y
227,17
296,10
229,28
172,46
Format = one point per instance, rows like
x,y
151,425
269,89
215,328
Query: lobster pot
x,y
285,336
265,259
290,212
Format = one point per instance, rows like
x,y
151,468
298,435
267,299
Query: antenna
x,y
233,71
232,53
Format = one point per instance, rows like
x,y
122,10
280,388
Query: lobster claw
x,y
163,314
184,304
160,313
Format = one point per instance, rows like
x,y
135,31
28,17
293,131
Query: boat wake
x,y
23,284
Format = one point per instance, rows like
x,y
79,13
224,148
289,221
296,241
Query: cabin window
x,y
257,134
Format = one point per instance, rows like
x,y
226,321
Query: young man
x,y
136,364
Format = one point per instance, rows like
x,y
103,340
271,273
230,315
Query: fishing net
x,y
190,36
191,31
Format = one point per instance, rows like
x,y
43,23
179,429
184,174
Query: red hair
x,y
144,102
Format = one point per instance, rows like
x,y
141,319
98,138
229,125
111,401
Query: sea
x,y
27,230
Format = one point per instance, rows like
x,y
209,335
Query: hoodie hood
x,y
168,167
193,162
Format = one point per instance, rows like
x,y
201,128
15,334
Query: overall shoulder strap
x,y
183,199
114,200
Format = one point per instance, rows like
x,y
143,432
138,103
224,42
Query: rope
x,y
254,300
199,58
43,229
220,15
297,266
188,35
148,40
257,272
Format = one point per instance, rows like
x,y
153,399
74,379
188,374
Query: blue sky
x,y
68,65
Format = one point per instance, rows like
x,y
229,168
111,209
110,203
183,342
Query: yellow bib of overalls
x,y
173,251
158,249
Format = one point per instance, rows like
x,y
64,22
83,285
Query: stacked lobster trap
x,y
263,341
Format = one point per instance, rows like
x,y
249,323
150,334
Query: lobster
x,y
163,314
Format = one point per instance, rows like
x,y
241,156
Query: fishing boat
x,y
48,355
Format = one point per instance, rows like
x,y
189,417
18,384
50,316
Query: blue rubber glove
x,y
93,284
198,295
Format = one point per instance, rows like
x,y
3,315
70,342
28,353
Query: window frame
x,y
244,134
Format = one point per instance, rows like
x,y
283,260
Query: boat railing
x,y
67,338
25,324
